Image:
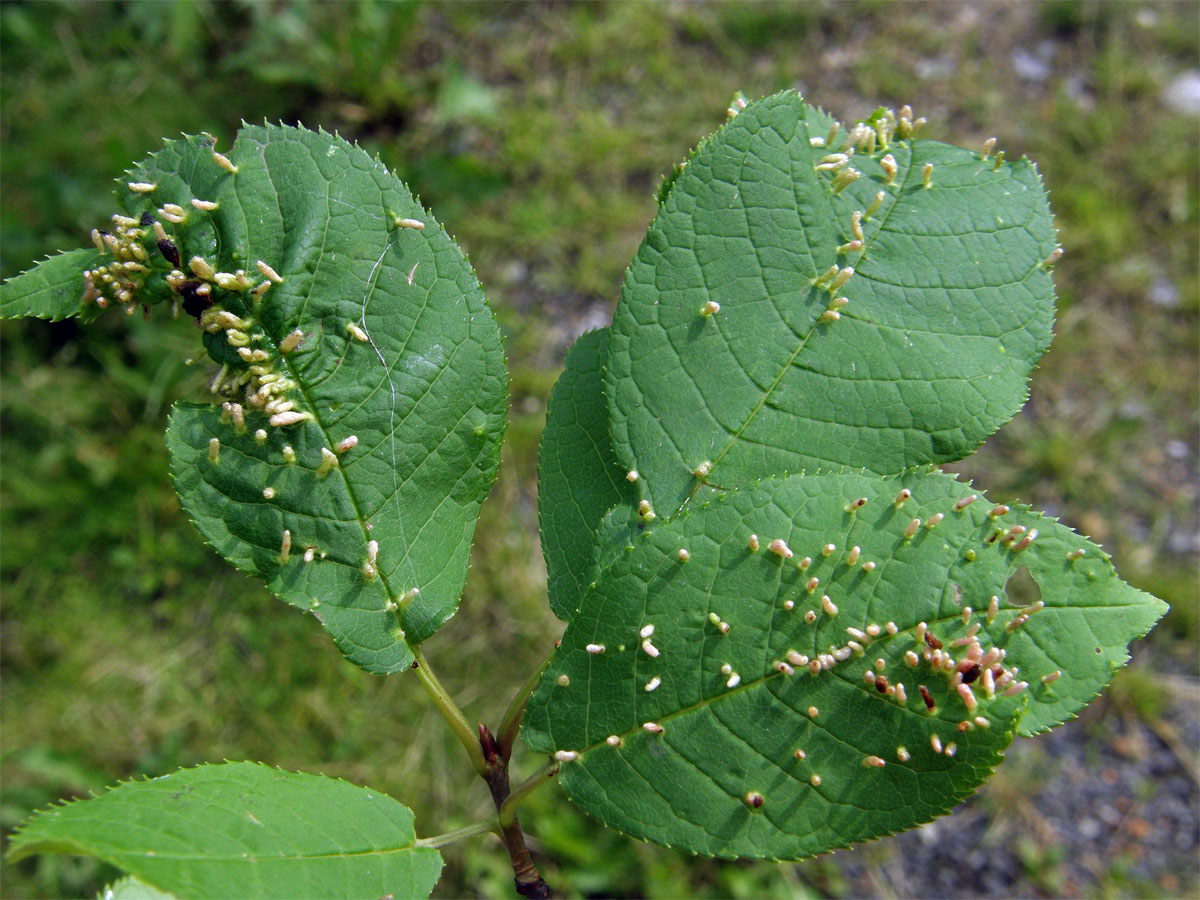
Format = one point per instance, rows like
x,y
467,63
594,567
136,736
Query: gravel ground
x,y
1103,806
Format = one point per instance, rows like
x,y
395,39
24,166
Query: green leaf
x,y
398,350
578,477
732,733
949,309
244,830
53,289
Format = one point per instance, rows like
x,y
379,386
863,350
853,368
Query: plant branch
x,y
492,766
507,733
526,878
508,810
441,840
450,711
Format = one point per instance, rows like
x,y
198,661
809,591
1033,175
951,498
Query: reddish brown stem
x,y
526,877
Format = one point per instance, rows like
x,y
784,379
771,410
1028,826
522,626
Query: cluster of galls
x,y
876,133
196,289
121,280
258,386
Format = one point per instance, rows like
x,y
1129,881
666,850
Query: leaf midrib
x,y
766,678
304,388
252,858
1011,567
734,438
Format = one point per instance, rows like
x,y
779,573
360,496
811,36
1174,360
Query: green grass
x,y
538,134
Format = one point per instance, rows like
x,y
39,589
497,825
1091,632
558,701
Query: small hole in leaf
x,y
1021,589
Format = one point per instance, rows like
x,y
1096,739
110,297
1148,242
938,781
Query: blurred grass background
x,y
538,134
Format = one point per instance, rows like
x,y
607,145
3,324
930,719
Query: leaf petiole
x,y
450,712
506,736
508,810
458,834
